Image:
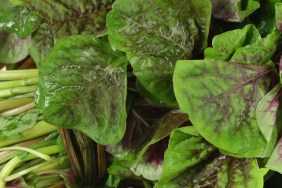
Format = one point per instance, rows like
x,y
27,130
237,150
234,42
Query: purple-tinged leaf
x,y
280,69
218,171
12,48
275,160
233,10
221,100
267,110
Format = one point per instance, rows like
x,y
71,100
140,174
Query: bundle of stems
x,y
17,89
36,157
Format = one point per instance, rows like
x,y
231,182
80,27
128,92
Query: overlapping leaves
x,y
154,34
65,18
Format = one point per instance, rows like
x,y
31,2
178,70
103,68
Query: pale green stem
x,y
13,163
32,151
4,93
18,110
14,103
28,170
18,74
19,83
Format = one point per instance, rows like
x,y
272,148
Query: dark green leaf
x,y
278,16
221,98
186,148
16,19
83,87
264,17
233,10
154,34
12,127
65,18
12,48
41,43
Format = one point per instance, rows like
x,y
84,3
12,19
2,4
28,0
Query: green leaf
x,y
267,111
12,48
225,44
16,19
41,43
260,52
154,34
221,98
239,173
233,10
264,17
65,18
120,168
275,160
160,129
83,87
218,171
12,127
278,16
186,148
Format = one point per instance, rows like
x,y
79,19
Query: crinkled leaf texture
x,y
260,52
83,87
154,34
12,48
225,44
65,18
221,100
17,19
203,166
233,10
243,45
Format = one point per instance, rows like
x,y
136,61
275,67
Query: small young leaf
x,y
221,98
259,52
12,48
186,148
154,34
83,87
225,44
267,111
